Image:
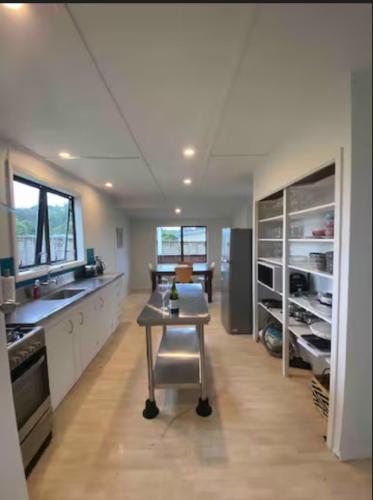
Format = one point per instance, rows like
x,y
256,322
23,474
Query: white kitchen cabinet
x,y
75,337
61,360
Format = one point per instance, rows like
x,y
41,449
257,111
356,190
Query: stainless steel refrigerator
x,y
236,280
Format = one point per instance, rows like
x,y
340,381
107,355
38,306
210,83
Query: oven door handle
x,y
31,369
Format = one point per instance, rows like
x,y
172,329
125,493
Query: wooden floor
x,y
263,441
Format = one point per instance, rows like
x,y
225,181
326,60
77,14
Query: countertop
x,y
193,308
36,311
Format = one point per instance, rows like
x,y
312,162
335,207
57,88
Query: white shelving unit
x,y
285,221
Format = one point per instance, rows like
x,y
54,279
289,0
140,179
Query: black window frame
x,y
182,256
43,224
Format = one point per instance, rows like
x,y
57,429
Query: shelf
x,y
318,208
270,219
271,260
307,269
266,286
177,363
313,240
270,239
312,305
273,311
312,349
294,326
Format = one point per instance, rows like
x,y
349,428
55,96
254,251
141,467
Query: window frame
x,y
182,227
43,224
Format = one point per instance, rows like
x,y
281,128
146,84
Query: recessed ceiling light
x,y
65,155
108,184
14,6
189,152
177,210
187,181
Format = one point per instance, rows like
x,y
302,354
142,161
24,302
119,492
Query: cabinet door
x,y
79,318
60,354
89,322
106,313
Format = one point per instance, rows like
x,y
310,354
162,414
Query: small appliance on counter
x,y
326,298
90,270
100,265
298,283
30,385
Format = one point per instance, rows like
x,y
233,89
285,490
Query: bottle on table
x,y
174,298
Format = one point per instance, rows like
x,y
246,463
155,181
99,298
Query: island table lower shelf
x,y
178,359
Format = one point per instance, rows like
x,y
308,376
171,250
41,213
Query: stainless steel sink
x,y
65,293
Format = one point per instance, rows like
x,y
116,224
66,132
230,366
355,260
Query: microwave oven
x,y
270,275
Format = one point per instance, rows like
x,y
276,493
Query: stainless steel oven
x,y
30,384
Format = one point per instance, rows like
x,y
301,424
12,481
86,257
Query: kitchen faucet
x,y
49,280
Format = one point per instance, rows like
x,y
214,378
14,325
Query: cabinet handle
x,y
72,326
82,318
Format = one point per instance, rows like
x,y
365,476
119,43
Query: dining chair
x,y
184,274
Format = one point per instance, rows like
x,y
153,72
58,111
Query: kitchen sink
x,y
65,293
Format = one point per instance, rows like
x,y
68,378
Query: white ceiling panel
x,y
129,177
50,96
169,67
298,59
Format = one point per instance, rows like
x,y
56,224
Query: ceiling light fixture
x,y
189,152
187,181
13,6
177,210
108,184
65,155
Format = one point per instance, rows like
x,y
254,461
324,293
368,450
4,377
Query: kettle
x,y
100,265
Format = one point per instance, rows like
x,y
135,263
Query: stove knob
x,y
14,361
22,354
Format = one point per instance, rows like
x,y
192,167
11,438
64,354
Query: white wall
x,y
242,218
317,142
100,217
356,439
143,246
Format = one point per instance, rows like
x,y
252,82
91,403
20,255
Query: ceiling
x,y
125,87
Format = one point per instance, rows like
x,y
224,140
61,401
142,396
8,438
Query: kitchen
x,y
106,177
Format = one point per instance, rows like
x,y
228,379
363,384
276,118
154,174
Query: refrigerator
x,y
236,280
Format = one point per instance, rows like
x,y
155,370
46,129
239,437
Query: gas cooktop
x,y
16,333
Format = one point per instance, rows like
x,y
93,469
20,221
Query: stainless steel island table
x,y
180,361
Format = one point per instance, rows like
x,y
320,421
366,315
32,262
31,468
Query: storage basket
x,y
317,261
329,262
320,392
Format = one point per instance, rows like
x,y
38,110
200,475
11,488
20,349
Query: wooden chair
x,y
184,274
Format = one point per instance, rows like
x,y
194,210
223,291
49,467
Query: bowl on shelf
x,y
318,233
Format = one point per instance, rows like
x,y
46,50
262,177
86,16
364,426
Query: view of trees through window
x,y
181,244
44,224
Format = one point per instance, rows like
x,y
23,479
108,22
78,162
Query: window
x,y
181,244
45,224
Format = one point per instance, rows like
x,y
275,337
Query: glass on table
x,y
164,287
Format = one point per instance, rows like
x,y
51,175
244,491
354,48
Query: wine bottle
x,y
174,298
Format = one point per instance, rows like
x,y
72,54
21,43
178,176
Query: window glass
x,y
26,201
60,228
181,244
194,244
168,244
44,224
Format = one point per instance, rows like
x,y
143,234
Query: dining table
x,y
199,269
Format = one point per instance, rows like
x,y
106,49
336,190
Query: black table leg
x,y
209,286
